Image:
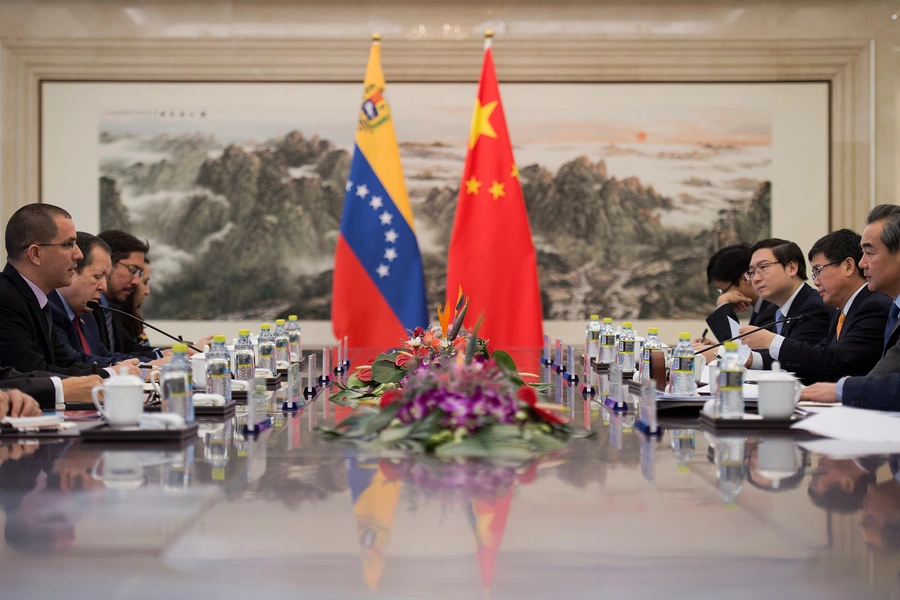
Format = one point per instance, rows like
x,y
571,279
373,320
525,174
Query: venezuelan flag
x,y
379,288
374,505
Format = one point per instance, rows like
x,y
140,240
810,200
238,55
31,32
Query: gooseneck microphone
x,y
801,318
97,306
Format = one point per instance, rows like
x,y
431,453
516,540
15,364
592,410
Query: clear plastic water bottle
x,y
652,343
684,442
266,349
175,389
682,378
294,336
244,357
218,369
607,342
282,343
593,337
729,402
730,468
626,348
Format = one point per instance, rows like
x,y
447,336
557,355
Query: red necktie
x,y
84,344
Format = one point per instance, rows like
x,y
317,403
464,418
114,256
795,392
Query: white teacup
x,y
121,470
198,368
779,392
123,399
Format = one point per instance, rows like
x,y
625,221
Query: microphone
x,y
801,318
96,305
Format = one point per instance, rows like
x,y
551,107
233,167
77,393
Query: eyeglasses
x,y
817,269
70,245
762,269
725,290
135,270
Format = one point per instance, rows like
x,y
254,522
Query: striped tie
x,y
107,315
840,325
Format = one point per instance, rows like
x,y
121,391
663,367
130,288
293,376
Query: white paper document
x,y
846,449
854,425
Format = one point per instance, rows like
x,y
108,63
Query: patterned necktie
x,y
107,316
779,316
840,325
84,343
891,323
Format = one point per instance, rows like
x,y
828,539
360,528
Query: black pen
x,y
705,331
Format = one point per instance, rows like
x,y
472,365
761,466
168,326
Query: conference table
x,y
289,513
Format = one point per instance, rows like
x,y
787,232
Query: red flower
x,y
403,359
389,397
527,395
418,332
365,373
529,475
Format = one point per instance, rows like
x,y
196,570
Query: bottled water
x,y
266,349
175,389
218,369
296,344
593,337
607,342
282,343
684,442
626,348
244,357
652,343
730,468
683,382
730,395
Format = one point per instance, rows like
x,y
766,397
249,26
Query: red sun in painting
x,y
641,136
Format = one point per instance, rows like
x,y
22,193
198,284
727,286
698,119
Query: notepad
x,y
34,423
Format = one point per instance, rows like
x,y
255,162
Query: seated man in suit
x,y
69,306
778,274
853,343
127,253
42,255
49,389
881,265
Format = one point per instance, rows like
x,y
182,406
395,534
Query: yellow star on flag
x,y
515,171
481,122
497,190
472,185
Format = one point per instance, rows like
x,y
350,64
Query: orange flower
x,y
403,359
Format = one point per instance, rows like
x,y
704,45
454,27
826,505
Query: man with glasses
x,y
42,255
127,253
880,389
853,343
778,274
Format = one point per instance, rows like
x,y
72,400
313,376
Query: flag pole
x,y
488,37
376,37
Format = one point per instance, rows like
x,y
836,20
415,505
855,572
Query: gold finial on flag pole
x,y
488,34
376,37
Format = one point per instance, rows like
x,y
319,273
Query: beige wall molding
x,y
845,64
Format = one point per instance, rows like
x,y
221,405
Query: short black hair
x,y
838,245
32,224
87,242
729,264
837,500
121,244
890,232
785,252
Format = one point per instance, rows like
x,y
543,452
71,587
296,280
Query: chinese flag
x,y
491,253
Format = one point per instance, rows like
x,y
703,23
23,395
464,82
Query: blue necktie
x,y
778,316
891,322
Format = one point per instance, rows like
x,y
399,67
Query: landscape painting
x,y
626,199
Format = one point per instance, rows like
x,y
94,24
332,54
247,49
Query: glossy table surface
x,y
292,514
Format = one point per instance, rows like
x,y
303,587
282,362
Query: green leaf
x,y
394,434
382,418
384,371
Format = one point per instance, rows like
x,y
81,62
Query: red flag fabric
x,y
491,253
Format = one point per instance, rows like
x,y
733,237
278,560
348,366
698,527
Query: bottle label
x,y
683,364
594,336
244,361
626,347
645,355
731,380
608,340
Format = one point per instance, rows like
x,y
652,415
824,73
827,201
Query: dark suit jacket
x,y
877,393
807,302
890,360
122,342
765,315
68,335
27,341
36,384
854,353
